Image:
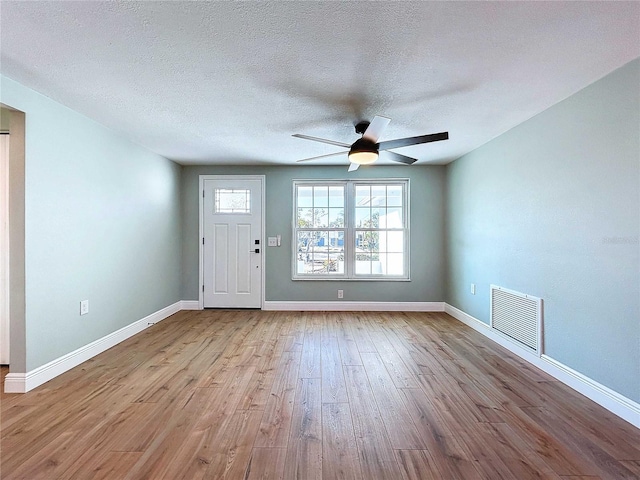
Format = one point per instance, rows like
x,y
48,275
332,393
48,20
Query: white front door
x,y
232,242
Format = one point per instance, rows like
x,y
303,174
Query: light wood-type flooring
x,y
228,394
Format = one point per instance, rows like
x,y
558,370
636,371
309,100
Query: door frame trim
x,y
5,281
202,178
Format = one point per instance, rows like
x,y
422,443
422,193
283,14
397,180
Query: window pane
x,y
395,264
336,263
305,240
320,252
320,217
372,241
319,260
378,217
232,200
305,196
363,264
336,252
363,195
303,256
305,218
321,197
382,239
363,217
336,217
395,242
336,196
321,240
378,195
367,240
394,217
394,195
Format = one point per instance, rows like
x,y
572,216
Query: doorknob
x,y
257,250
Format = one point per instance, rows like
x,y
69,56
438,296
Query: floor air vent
x,y
518,316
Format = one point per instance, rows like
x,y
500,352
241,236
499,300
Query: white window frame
x,y
350,231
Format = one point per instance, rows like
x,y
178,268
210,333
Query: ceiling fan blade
x,y
322,156
323,140
375,128
396,157
353,167
405,142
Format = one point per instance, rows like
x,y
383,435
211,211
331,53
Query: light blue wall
x,y
552,209
102,223
427,234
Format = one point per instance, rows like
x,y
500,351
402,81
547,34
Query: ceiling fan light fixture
x,y
363,158
363,152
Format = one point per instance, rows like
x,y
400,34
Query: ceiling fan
x,y
366,149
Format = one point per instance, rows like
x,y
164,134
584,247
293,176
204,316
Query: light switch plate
x,y
84,307
272,241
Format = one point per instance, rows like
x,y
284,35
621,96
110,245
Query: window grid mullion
x,y
349,250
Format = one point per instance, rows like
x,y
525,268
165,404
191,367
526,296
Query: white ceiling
x,y
228,83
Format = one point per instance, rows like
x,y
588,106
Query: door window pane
x,y
232,200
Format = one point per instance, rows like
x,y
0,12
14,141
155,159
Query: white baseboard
x,y
23,382
189,305
616,403
356,306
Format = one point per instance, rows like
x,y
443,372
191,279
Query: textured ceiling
x,y
228,83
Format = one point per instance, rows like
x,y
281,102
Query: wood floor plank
x,y
258,390
560,457
608,432
103,465
632,465
360,333
334,389
340,458
310,361
294,324
46,433
266,464
402,376
417,465
232,454
304,448
348,347
451,459
377,459
592,455
519,456
58,457
237,394
276,420
401,430
191,436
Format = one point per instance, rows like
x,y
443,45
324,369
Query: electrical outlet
x,y
340,293
473,289
84,307
272,241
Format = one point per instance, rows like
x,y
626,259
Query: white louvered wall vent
x,y
518,316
